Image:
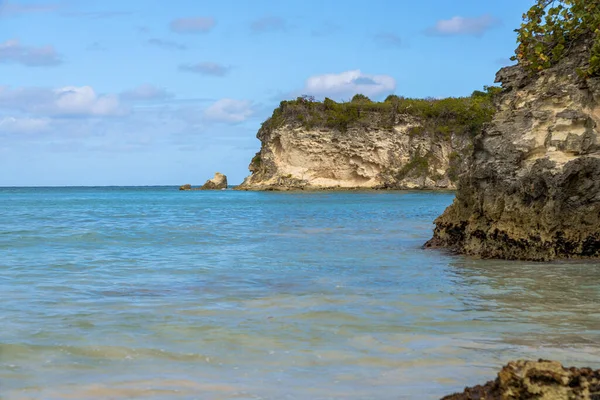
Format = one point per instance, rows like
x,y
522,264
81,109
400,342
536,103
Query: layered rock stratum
x,y
540,380
532,186
397,144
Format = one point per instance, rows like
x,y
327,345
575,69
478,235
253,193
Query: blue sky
x,y
156,92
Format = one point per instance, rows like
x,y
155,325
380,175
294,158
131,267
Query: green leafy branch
x,y
551,27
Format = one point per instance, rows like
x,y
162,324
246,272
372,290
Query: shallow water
x,y
154,293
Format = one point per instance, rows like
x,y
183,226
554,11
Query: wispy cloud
x,y
12,51
23,124
229,111
8,8
463,26
68,101
389,39
95,47
206,68
97,14
166,44
325,29
268,24
193,25
145,92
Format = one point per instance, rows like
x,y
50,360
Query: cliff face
x,y
399,144
532,189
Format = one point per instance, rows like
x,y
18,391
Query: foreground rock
x,y
219,181
541,380
532,190
397,144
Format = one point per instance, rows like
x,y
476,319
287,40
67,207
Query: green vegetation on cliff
x,y
430,124
443,117
551,27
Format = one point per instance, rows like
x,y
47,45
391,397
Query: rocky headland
x,y
542,380
396,144
532,186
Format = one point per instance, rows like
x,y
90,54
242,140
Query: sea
x,y
153,293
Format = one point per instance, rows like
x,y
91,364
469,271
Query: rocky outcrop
x,y
541,380
532,190
219,181
187,186
398,144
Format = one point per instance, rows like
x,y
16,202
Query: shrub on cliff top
x,y
360,98
443,117
551,27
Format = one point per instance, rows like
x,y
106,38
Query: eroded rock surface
x,y
532,190
297,158
541,380
219,181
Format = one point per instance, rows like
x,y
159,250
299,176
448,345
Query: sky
x,y
157,92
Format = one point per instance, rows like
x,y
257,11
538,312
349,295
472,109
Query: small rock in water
x,y
187,186
219,181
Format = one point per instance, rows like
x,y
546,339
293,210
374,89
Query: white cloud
x,y
65,101
206,68
463,26
349,83
12,51
72,100
192,25
23,125
229,111
145,92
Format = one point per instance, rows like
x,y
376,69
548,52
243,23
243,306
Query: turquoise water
x,y
153,293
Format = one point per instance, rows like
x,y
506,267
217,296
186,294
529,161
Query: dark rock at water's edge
x,y
219,181
541,380
532,188
187,186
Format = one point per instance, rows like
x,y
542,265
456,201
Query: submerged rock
x,y
219,181
541,380
532,189
187,186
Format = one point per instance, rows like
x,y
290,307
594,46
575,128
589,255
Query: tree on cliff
x,y
551,27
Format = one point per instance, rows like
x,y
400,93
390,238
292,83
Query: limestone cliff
x,y
397,144
532,190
